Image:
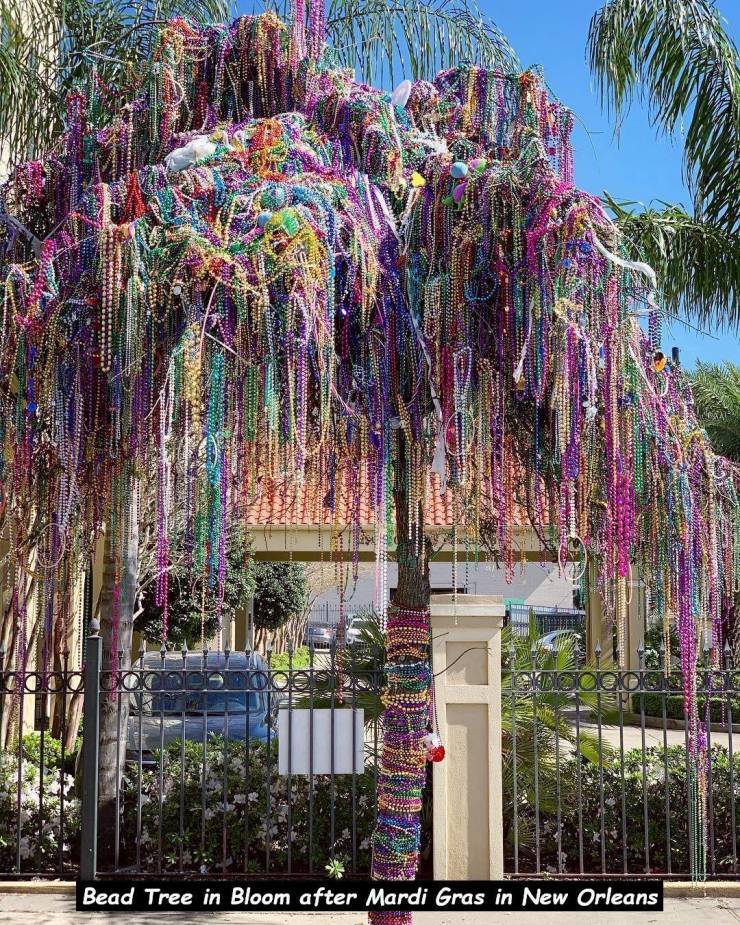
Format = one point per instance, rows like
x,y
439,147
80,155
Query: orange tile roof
x,y
284,503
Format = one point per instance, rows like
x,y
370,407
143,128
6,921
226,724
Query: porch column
x,y
466,650
636,622
598,625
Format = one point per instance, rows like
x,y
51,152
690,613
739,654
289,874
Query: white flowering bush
x,y
45,823
593,812
236,812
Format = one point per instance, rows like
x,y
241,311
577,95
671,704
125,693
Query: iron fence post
x,y
90,749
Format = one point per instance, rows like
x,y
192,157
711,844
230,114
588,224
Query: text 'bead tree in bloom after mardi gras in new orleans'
x,y
248,273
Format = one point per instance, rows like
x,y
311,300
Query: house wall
x,y
537,584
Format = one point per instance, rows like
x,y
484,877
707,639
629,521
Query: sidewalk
x,y
56,909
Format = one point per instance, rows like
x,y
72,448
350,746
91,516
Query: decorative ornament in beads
x,y
433,747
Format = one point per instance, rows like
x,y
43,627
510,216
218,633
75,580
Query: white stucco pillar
x,y
636,622
468,824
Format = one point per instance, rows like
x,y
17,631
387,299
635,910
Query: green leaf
x,y
697,262
677,56
716,392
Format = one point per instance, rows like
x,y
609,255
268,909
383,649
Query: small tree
x,y
716,389
280,602
193,599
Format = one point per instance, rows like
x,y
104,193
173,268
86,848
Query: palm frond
x,y
716,390
384,40
677,55
29,98
50,47
697,262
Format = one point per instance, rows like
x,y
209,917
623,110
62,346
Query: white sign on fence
x,y
301,727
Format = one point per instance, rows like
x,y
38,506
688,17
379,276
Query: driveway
x,y
632,736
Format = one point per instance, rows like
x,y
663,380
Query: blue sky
x,y
636,166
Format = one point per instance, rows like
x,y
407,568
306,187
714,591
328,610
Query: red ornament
x,y
433,747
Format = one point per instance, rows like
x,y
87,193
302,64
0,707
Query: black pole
x,y
87,605
90,746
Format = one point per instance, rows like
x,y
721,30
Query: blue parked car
x,y
162,712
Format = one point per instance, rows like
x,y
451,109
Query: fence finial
x,y
94,627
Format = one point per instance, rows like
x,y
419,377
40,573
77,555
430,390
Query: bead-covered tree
x,y
263,277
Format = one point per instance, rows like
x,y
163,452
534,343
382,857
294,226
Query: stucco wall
x,y
537,584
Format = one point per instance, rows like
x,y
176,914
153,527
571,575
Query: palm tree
x,y
677,55
385,39
536,736
716,391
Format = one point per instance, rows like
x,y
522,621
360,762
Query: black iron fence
x,y
201,776
546,619
39,802
200,763
210,778
599,774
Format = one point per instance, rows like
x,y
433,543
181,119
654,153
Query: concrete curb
x,y
716,889
37,886
676,889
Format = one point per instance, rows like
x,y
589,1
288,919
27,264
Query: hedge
x,y
42,791
238,801
641,794
245,812
675,707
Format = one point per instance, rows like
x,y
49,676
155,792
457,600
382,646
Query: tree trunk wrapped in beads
x,y
407,700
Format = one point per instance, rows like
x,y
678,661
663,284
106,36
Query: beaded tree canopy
x,y
247,270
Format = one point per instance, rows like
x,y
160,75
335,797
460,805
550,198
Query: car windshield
x,y
212,699
203,701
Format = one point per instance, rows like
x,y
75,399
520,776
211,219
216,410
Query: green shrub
x,y
644,794
655,641
245,813
675,707
41,792
237,804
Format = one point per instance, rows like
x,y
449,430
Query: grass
x,y
280,660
